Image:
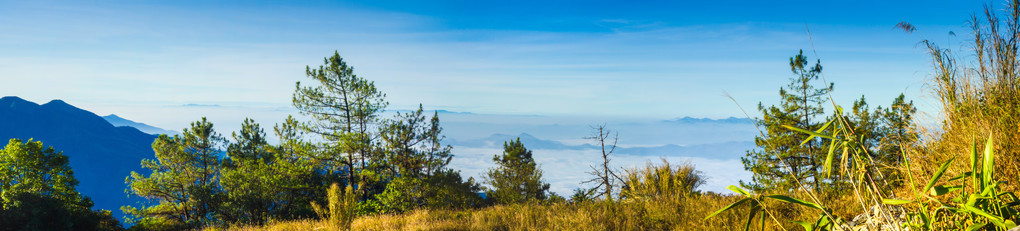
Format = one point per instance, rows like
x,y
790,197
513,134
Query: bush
x,y
662,182
340,210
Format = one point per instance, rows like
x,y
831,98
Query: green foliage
x,y
516,177
662,182
341,207
978,201
183,182
413,145
342,106
415,161
262,182
582,195
781,152
394,165
37,188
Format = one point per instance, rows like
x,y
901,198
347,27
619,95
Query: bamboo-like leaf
x,y
895,201
961,176
826,125
989,162
807,226
822,222
1008,224
812,133
976,183
750,217
943,190
976,226
728,207
736,189
795,201
938,174
995,219
828,159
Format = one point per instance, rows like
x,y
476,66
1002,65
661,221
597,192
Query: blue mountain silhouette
x,y
101,154
121,122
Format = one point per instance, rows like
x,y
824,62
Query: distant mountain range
x,y
101,154
121,122
722,151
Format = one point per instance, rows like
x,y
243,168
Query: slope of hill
x,y
101,154
121,122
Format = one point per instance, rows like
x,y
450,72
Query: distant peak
x,y
11,101
6,99
10,97
112,116
441,111
57,102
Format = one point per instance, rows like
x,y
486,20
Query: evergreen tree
x,y
342,107
251,178
780,160
183,182
516,177
898,130
415,163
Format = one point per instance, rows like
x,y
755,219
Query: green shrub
x,y
341,209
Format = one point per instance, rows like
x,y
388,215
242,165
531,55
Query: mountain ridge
x,y
149,129
100,154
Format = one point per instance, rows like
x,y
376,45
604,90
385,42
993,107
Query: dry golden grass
x,y
633,215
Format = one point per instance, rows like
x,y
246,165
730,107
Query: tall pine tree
x,y
781,161
342,107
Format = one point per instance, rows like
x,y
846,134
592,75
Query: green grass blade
x,y
807,226
728,207
938,174
736,189
750,217
828,159
895,201
942,190
812,133
826,125
976,183
976,226
795,201
989,162
995,219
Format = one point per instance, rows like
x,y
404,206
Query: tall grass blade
x,y
728,207
750,217
795,201
989,162
976,183
828,159
812,133
739,190
895,201
938,174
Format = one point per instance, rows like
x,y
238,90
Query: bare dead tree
x,y
603,175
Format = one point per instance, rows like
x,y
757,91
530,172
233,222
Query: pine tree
x,y
516,177
184,180
780,161
342,107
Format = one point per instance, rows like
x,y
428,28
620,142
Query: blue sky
x,y
145,60
536,67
